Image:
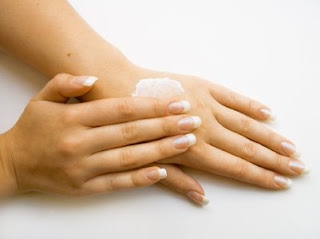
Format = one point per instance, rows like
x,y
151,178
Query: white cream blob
x,y
158,88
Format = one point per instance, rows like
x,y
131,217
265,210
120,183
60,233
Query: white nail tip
x,y
90,81
191,139
292,148
285,182
306,170
196,121
205,200
162,173
186,105
289,146
296,155
269,114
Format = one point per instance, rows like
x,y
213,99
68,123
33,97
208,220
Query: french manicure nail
x,y
282,181
85,80
185,141
290,149
198,198
157,174
268,114
189,123
178,107
299,167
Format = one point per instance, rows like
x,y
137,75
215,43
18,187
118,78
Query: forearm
x,y
7,178
53,38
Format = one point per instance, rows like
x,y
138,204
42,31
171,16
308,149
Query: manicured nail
x,y
157,174
299,167
185,141
85,80
267,113
178,107
290,149
189,123
198,198
282,181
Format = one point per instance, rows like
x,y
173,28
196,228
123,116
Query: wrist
x,y
8,185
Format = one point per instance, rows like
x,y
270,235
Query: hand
x,y
231,142
80,149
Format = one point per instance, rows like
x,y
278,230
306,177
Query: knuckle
x,y
126,108
251,105
59,79
233,98
240,169
111,185
61,76
69,116
166,126
127,159
129,131
156,107
134,180
249,149
69,146
162,149
278,161
245,125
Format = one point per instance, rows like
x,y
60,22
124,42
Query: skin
x,y
231,141
87,148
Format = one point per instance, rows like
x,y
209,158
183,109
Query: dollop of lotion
x,y
158,88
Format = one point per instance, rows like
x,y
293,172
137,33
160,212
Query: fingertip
x,y
75,86
156,174
198,198
267,114
86,81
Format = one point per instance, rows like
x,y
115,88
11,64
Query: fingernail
x,y
185,141
189,123
290,149
177,107
299,167
198,198
267,113
282,181
85,80
157,174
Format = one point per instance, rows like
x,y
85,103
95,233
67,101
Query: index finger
x,y
119,110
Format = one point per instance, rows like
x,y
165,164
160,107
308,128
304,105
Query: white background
x,y
269,50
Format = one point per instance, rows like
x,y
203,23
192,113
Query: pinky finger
x,y
183,183
125,180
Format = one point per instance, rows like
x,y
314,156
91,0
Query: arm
x,y
231,142
53,38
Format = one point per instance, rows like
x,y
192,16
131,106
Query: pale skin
x,y
87,148
231,141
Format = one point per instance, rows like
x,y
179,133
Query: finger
x,y
241,103
116,181
118,110
257,132
139,131
219,162
134,156
64,86
183,183
256,153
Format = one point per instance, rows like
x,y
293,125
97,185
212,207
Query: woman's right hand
x,y
80,149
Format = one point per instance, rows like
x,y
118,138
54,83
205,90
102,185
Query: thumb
x,y
64,86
